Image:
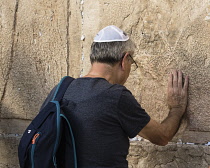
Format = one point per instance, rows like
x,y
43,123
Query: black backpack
x,y
48,142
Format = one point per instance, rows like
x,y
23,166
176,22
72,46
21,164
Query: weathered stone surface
x,y
13,126
8,152
7,26
170,156
40,56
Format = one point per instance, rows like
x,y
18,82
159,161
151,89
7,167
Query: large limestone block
x,y
168,35
36,52
7,20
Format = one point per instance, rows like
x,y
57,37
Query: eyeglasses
x,y
134,65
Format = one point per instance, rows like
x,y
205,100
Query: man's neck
x,y
106,71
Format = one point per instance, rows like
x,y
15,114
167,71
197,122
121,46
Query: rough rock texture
x,y
8,153
38,37
41,41
145,155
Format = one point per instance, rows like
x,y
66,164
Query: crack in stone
x,y
12,54
130,14
136,24
126,16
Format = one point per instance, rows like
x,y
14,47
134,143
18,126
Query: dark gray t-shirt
x,y
102,117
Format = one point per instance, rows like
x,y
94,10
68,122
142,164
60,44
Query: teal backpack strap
x,y
58,95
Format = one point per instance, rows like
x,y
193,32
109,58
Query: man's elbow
x,y
162,141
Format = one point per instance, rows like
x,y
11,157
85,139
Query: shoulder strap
x,y
61,88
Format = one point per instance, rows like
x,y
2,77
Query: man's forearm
x,y
161,134
172,122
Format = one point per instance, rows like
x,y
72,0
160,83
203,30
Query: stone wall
x,y
145,155
41,41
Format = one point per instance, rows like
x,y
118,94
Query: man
x,y
104,114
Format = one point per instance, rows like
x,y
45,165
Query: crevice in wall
x,y
12,53
82,36
179,141
67,37
16,118
10,135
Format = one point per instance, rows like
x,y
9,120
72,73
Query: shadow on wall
x,y
26,89
25,92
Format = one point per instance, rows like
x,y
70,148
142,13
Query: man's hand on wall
x,y
177,92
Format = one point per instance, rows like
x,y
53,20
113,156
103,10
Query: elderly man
x,y
104,114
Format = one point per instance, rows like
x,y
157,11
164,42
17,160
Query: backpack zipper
x,y
34,141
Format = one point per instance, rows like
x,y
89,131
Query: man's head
x,y
110,45
111,55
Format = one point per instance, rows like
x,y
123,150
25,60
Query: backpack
x,y
48,142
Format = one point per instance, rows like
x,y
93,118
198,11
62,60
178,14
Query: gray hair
x,y
110,52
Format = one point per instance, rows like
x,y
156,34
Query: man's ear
x,y
124,61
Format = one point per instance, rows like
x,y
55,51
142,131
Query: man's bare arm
x,y
162,133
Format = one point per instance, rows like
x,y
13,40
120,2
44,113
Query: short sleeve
x,y
131,116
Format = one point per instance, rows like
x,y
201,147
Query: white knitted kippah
x,y
110,34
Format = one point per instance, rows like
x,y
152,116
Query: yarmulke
x,y
110,34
